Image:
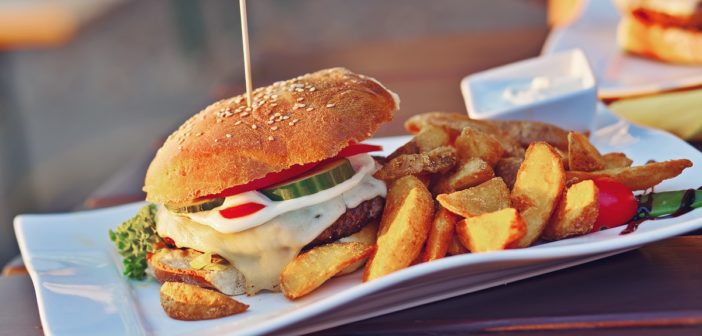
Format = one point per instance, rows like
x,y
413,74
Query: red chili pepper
x,y
292,172
241,210
617,204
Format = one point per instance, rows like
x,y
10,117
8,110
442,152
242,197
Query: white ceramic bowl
x,y
558,88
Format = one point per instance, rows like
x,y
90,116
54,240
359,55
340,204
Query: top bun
x,y
302,120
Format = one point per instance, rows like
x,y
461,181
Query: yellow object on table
x,y
676,112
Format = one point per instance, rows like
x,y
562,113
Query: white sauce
x,y
502,94
262,251
363,164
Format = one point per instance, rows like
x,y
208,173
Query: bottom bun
x,y
669,44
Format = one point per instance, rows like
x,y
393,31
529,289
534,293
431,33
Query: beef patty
x,y
352,221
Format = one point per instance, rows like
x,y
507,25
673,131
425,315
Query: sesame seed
x,y
216,140
277,114
310,109
285,117
274,104
248,109
269,122
228,135
237,122
330,105
300,99
219,120
312,89
201,133
254,126
270,138
274,128
245,114
295,120
300,90
291,123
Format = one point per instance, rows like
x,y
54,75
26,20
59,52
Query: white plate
x,y
80,290
618,74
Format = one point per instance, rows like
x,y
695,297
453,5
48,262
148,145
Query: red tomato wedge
x,y
292,172
241,210
616,202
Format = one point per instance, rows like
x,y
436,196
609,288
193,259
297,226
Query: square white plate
x,y
618,74
80,289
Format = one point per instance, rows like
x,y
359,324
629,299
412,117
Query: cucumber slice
x,y
323,177
202,206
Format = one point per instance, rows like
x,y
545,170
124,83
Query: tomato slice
x,y
241,210
292,172
617,204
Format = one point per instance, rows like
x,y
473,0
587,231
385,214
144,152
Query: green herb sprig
x,y
134,239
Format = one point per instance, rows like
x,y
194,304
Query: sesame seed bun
x,y
302,120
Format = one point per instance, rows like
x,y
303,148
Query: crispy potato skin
x,y
538,188
188,302
438,160
637,177
409,209
492,231
313,268
576,214
582,155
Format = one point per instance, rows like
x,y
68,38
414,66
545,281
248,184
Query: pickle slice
x,y
324,177
202,206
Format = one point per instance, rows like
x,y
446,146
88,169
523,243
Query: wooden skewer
x,y
247,54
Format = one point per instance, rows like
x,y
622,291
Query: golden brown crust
x,y
669,44
306,119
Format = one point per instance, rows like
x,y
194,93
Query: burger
x,y
239,191
667,30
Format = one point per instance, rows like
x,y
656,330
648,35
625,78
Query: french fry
x,y
582,155
528,132
431,137
576,214
616,160
404,227
472,143
470,174
456,247
540,183
408,148
492,231
440,235
637,177
507,169
188,302
487,197
439,160
313,268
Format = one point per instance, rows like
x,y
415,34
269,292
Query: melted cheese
x,y
261,252
363,164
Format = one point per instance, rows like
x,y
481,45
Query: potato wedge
x,y
582,155
470,174
489,196
367,235
637,177
507,169
431,137
472,143
528,132
408,148
454,123
576,214
439,160
188,302
404,227
616,160
313,268
492,231
540,183
456,247
440,235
